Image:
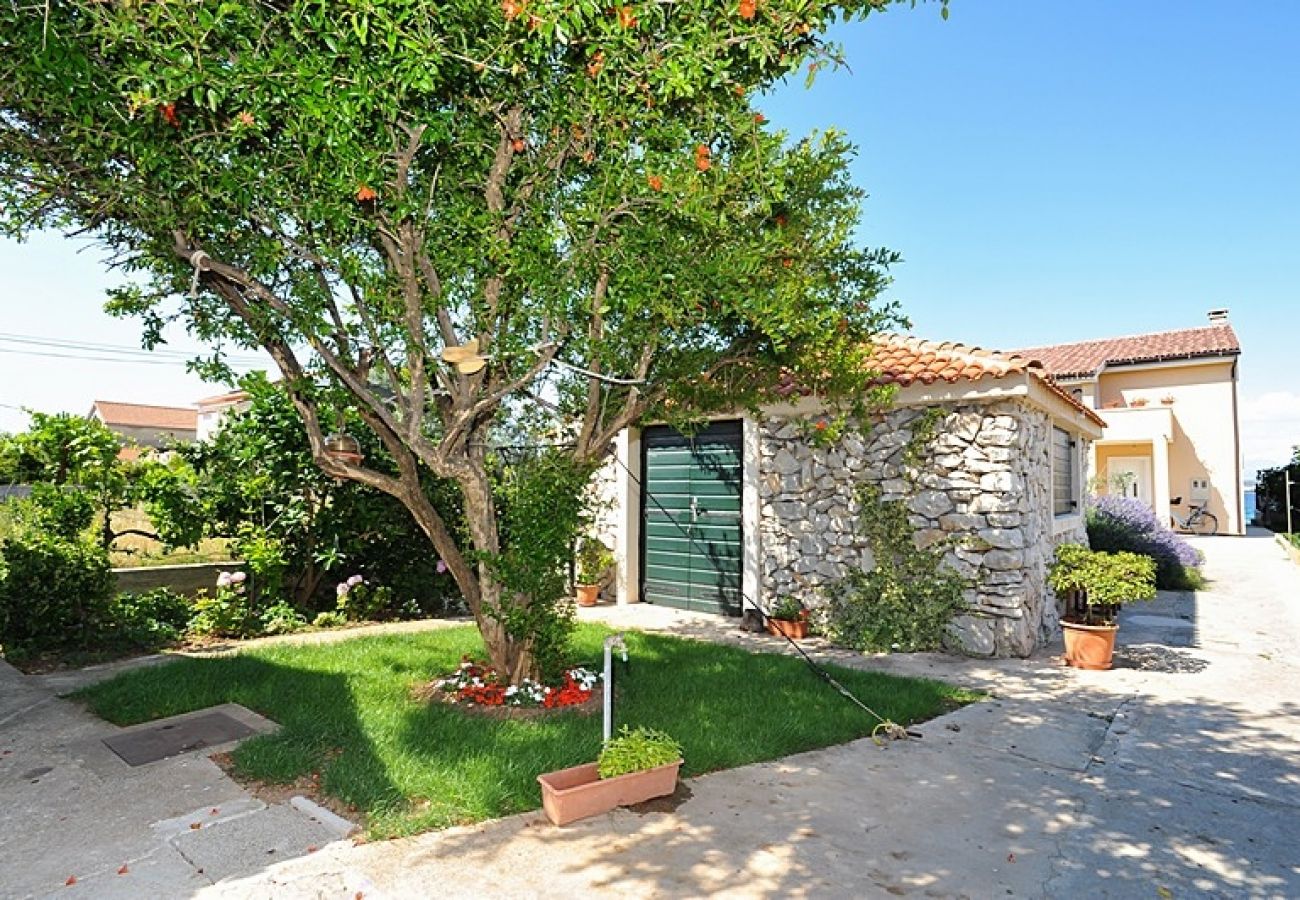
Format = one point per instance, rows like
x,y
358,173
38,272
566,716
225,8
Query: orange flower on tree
x,y
512,8
703,160
596,64
365,193
626,18
169,113
518,145
656,183
748,8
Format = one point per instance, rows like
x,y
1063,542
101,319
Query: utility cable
x,y
887,727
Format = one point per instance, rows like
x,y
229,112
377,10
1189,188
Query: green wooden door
x,y
691,518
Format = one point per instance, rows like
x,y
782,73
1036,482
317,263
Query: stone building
x,y
984,448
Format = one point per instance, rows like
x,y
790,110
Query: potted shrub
x,y
594,563
1095,585
788,618
637,765
1139,402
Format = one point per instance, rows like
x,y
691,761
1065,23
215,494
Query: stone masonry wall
x,y
985,479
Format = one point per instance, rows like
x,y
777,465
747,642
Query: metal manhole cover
x,y
172,737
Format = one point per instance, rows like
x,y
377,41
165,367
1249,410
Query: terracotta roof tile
x,y
904,360
1086,358
140,415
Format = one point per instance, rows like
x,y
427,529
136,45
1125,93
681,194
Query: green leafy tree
x,y
359,187
255,483
73,466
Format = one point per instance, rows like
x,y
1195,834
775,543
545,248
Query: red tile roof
x,y
905,360
1084,359
140,415
227,399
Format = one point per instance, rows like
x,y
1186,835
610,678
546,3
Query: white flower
x,y
224,579
342,590
356,580
238,577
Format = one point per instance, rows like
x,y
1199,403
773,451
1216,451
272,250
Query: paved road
x,y
1176,774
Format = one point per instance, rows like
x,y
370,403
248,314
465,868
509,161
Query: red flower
x,y
169,113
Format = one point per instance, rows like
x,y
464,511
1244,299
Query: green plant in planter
x,y
594,560
1097,584
788,609
636,750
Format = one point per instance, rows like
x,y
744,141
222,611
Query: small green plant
x,y
636,750
906,601
228,612
329,620
281,618
594,560
788,609
361,601
150,618
1098,583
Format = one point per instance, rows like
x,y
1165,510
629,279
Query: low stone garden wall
x,y
186,579
983,480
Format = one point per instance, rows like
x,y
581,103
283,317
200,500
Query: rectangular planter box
x,y
796,630
579,792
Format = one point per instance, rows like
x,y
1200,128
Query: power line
x,y
25,340
134,361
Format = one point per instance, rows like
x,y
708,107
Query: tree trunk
x,y
511,657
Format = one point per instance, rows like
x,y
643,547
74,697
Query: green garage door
x,y
691,514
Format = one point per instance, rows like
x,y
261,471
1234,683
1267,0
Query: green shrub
x,y
149,619
594,561
227,614
635,750
55,593
1098,583
329,620
281,618
360,601
787,609
906,601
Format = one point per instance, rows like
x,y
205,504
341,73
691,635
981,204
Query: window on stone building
x,y
1065,473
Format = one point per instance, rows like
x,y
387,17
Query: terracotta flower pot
x,y
1089,646
580,792
795,629
588,594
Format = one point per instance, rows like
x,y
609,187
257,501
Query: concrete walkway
x,y
76,821
1177,772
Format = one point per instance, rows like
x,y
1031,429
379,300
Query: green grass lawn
x,y
408,766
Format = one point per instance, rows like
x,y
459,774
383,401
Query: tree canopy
x,y
581,199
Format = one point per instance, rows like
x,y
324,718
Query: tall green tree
x,y
568,192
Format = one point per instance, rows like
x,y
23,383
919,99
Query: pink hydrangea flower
x,y
441,567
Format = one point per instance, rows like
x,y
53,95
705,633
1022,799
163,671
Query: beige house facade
x,y
1169,399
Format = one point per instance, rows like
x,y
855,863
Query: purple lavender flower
x,y
1125,523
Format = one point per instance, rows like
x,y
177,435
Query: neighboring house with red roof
x,y
212,411
1170,404
141,425
755,508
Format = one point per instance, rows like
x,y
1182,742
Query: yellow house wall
x,y
1205,438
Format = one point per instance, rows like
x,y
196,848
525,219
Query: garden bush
x,y
1118,524
906,601
149,619
55,593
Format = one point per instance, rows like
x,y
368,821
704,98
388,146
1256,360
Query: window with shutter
x,y
1065,496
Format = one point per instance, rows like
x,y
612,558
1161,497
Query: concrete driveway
x,y
1176,774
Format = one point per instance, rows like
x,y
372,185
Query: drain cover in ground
x,y
172,737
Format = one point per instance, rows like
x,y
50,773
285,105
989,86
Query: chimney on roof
x,y
1217,315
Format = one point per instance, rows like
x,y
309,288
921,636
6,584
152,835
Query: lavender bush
x,y
1125,524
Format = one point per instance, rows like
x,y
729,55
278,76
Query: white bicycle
x,y
1198,521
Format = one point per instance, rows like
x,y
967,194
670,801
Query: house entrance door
x,y
691,518
1131,476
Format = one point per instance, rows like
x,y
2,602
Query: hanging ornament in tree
x,y
465,358
344,448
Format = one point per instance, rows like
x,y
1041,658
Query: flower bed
x,y
475,684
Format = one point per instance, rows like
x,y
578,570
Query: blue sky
x,y
1050,172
